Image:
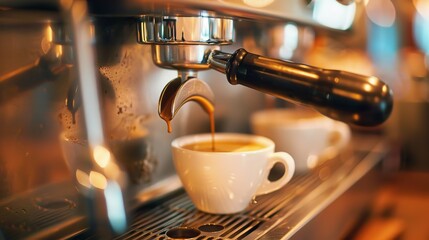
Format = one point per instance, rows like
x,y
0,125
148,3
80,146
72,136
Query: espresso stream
x,y
206,105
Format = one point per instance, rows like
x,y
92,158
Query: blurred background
x,y
391,41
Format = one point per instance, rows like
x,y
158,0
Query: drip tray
x,y
55,213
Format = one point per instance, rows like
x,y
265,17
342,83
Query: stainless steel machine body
x,y
83,151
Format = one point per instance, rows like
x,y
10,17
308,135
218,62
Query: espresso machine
x,y
93,92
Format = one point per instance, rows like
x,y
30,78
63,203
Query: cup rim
x,y
179,142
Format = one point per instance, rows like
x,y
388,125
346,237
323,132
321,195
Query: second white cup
x,y
308,136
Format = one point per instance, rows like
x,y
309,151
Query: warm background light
x,y
381,12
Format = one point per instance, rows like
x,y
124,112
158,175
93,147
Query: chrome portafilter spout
x,y
348,97
186,87
184,43
187,60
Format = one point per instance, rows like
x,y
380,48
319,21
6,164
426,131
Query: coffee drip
x,y
178,91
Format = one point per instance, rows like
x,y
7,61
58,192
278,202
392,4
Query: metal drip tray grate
x,y
179,213
176,217
180,220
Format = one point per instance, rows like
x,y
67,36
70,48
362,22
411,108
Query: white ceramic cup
x,y
309,137
226,182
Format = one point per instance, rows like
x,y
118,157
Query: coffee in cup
x,y
226,179
225,146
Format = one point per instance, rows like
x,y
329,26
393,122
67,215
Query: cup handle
x,y
339,137
289,164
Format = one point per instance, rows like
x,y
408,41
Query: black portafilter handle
x,y
348,97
